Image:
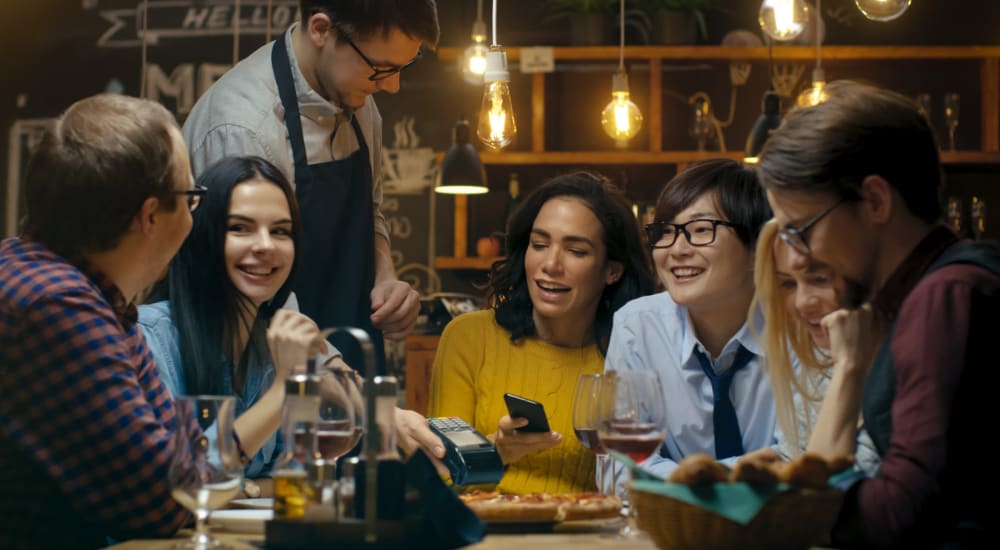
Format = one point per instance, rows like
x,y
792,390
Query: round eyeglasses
x,y
699,232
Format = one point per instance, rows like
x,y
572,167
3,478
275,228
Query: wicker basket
x,y
790,520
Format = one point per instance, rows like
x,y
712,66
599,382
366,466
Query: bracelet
x,y
244,459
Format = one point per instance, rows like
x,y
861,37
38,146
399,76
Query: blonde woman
x,y
794,301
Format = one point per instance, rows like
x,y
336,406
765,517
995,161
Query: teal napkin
x,y
739,502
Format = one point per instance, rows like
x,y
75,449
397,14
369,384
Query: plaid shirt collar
x,y
125,311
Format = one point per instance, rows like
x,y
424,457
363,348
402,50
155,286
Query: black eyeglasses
x,y
379,74
193,196
698,232
796,238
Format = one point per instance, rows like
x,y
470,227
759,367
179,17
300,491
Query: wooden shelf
x,y
671,157
726,53
468,262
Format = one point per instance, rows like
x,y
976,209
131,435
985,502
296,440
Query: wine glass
x,y
632,419
205,471
585,409
953,214
977,217
951,105
339,426
924,105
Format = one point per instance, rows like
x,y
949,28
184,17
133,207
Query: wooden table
x,y
568,536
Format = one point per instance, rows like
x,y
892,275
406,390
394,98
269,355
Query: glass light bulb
x,y
472,63
782,19
813,95
621,118
496,117
882,10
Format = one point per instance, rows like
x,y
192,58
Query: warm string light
x,y
621,118
496,127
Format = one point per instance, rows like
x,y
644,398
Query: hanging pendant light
x,y
815,93
497,127
769,119
462,171
621,118
472,62
882,10
782,19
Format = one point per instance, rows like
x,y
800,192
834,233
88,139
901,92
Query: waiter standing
x,y
304,102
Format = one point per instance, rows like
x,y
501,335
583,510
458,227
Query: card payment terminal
x,y
469,456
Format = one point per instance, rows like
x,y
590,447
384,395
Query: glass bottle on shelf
x,y
391,479
293,491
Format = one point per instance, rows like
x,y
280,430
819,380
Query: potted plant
x,y
677,21
588,19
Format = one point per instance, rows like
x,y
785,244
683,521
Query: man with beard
x,y
855,183
305,103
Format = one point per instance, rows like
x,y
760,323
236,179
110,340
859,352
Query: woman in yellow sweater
x,y
575,255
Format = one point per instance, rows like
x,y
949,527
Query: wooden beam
x,y
989,80
655,117
538,112
461,225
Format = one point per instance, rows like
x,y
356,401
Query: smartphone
x,y
522,407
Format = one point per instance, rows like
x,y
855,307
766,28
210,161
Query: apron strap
x,y
290,102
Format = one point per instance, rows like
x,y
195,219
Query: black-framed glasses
x,y
193,196
378,74
700,232
796,237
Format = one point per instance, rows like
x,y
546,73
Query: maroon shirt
x,y
85,424
935,473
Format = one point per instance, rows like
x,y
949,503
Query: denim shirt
x,y
164,341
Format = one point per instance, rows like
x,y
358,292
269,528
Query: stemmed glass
x,y
205,472
977,217
951,105
585,412
340,423
632,419
953,214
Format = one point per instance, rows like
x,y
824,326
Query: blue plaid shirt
x,y
85,424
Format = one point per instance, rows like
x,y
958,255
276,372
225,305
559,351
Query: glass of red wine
x,y
585,409
339,426
632,420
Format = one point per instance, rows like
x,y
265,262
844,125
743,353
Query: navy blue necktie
x,y
728,441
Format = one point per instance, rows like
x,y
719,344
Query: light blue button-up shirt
x,y
654,332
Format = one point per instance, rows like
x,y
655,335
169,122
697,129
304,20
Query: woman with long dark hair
x,y
218,328
575,255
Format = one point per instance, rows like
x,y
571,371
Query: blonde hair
x,y
782,335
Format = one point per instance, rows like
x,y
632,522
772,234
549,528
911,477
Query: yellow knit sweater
x,y
476,363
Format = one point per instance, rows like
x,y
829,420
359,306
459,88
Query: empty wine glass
x,y
585,409
924,105
951,105
632,419
205,472
953,214
977,217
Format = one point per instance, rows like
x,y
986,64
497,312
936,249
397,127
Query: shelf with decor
x,y
988,58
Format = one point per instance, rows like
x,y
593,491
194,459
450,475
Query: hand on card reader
x,y
469,456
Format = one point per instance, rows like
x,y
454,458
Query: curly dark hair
x,y
507,290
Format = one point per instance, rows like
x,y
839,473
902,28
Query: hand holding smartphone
x,y
522,407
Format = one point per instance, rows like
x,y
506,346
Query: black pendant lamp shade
x,y
462,172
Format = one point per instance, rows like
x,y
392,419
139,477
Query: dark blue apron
x,y
337,257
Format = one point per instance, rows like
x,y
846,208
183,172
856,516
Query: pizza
x,y
492,506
